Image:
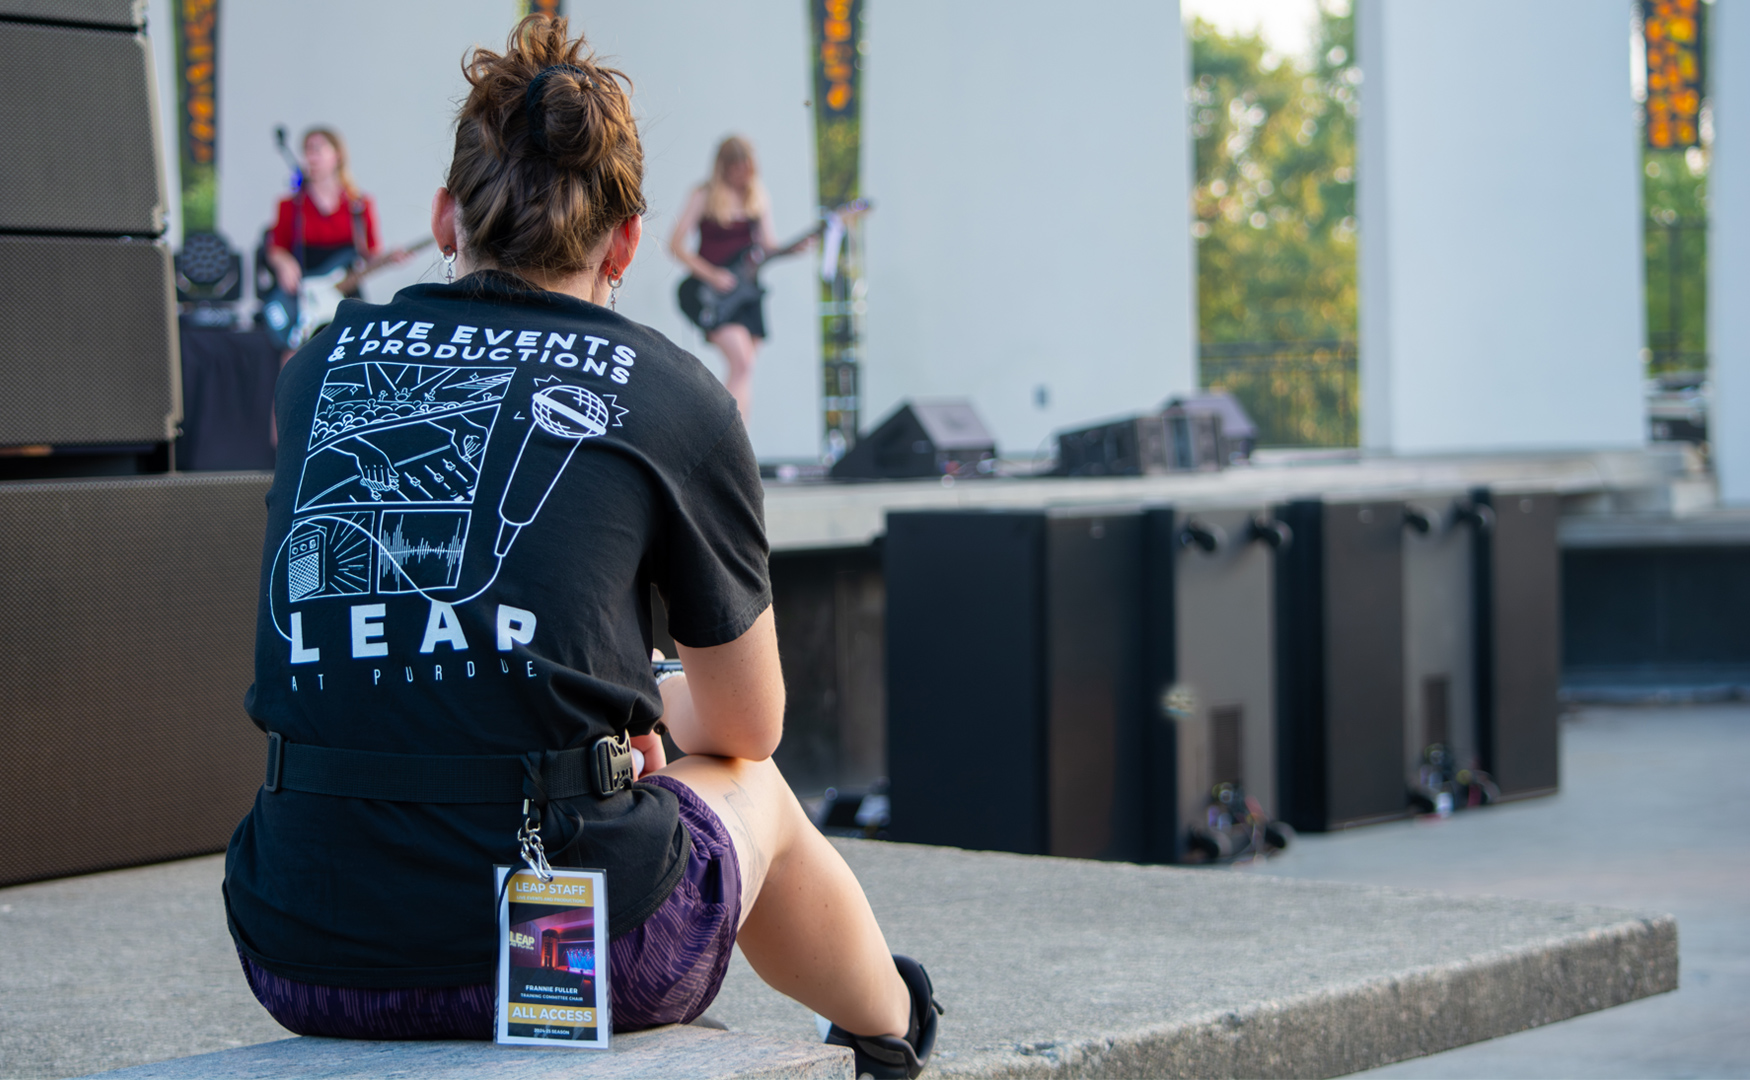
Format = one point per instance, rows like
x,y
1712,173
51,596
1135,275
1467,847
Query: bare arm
x,y
730,703
679,244
768,236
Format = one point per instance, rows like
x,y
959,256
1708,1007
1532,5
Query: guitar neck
x,y
848,211
380,260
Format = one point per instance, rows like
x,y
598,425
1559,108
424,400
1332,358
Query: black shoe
x,y
884,1057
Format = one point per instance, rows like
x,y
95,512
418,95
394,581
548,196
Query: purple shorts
x,y
666,971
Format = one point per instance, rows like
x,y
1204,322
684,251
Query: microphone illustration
x,y
564,416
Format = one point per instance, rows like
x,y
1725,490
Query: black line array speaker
x,y
127,619
87,315
1518,642
1340,664
114,14
1013,646
87,340
78,132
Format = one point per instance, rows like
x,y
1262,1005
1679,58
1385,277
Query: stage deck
x,y
803,516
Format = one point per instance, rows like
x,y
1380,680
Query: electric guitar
x,y
294,319
709,307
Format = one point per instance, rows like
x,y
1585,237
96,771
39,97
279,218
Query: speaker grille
x,y
86,340
77,152
117,13
127,623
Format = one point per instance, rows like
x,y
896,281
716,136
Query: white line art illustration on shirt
x,y
415,456
330,556
565,415
421,549
400,433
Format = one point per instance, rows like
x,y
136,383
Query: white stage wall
x,y
1729,247
1020,158
703,70
391,83
385,75
1500,221
1030,167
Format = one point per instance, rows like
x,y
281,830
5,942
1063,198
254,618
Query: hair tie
x,y
532,101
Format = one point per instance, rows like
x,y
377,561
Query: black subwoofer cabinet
x,y
1209,663
1518,641
1340,663
127,620
88,335
1014,645
1441,531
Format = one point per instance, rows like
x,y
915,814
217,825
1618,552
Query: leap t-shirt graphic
x,y
392,471
479,486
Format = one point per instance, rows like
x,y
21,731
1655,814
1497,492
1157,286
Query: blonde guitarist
x,y
730,213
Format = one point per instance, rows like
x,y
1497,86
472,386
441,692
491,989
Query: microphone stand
x,y
279,138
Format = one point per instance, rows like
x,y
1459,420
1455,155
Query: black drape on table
x,y
227,399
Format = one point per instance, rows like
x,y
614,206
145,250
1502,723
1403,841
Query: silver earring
x,y
449,268
614,293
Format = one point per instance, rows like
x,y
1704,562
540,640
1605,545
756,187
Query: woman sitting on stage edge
x,y
478,484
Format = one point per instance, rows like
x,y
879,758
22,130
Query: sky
x,y
1286,25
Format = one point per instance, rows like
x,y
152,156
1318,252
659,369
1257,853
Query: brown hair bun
x,y
547,155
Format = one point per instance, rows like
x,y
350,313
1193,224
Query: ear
x,y
623,244
443,220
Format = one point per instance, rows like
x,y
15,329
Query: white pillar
x,y
1729,247
1030,166
1501,262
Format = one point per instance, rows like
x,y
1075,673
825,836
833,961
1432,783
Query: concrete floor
x,y
1652,815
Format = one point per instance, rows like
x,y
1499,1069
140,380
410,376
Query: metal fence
x,y
1299,393
1676,293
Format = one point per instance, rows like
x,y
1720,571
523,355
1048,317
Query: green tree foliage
x,y
1674,193
1274,216
1274,200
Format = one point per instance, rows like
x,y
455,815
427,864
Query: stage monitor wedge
x,y
78,131
88,342
922,438
110,14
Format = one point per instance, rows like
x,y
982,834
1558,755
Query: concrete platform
x,y
672,1053
1048,968
1054,967
807,516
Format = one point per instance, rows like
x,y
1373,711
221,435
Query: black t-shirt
x,y
477,485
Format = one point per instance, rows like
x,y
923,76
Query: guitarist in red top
x,y
323,241
734,222
327,222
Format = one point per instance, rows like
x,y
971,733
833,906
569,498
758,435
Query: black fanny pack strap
x,y
438,778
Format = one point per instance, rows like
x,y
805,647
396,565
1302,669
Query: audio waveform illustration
x,y
421,549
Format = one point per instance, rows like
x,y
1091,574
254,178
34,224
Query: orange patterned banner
x,y
197,63
1674,88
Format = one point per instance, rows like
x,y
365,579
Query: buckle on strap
x,y
610,764
276,759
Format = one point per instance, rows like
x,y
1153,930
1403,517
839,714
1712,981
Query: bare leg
x,y
806,926
740,350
